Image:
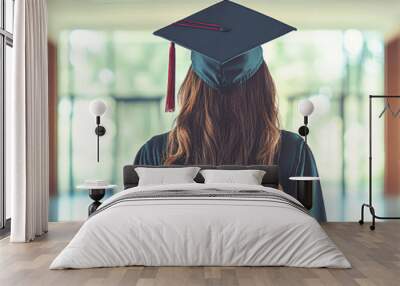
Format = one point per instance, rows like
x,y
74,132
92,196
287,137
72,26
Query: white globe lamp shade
x,y
97,107
306,107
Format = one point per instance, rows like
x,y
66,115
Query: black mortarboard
x,y
225,41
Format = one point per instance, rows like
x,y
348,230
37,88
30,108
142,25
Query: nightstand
x,y
305,190
96,193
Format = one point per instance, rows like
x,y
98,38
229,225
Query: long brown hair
x,y
235,126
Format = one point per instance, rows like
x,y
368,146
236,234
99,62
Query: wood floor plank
x,y
375,257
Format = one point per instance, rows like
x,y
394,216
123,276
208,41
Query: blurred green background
x,y
336,68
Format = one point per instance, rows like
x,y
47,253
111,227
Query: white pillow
x,y
165,176
248,177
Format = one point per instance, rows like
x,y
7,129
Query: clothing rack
x,y
370,204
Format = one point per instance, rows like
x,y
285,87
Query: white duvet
x,y
200,231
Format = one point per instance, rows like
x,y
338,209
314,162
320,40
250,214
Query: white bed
x,y
207,230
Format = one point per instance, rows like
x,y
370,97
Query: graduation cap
x,y
225,40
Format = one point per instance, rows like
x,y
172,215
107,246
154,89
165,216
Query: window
x,y
6,44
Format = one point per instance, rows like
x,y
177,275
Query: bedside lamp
x,y
305,183
97,108
306,108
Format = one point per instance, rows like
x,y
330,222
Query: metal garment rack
x,y
370,205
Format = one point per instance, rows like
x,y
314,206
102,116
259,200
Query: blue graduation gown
x,y
294,159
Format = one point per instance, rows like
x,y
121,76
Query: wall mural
x,y
128,70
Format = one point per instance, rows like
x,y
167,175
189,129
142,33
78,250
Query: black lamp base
x,y
303,131
100,130
96,195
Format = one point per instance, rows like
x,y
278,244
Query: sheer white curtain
x,y
28,121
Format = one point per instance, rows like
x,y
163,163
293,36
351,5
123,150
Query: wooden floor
x,y
375,257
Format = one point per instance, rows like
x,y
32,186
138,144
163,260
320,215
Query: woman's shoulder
x,y
290,143
153,151
289,151
288,137
157,141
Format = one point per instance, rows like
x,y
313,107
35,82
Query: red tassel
x,y
170,101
